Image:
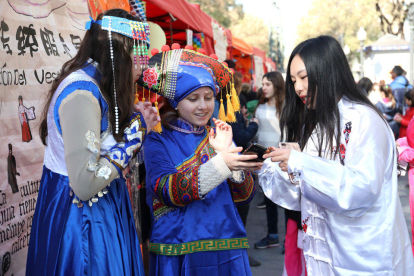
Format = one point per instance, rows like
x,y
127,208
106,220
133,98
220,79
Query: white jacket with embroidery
x,y
352,218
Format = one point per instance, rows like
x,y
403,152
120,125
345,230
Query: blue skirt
x,y
212,263
97,240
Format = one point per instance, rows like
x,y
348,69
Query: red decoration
x,y
225,63
222,74
165,48
154,51
189,47
214,56
202,51
175,46
151,77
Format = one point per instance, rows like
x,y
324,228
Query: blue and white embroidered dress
x,y
86,238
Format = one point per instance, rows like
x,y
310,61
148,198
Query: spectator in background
x,y
268,112
244,91
387,105
399,86
399,81
252,104
406,154
405,120
365,85
231,64
242,134
242,137
251,95
375,96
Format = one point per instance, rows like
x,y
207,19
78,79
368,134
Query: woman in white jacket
x,y
352,219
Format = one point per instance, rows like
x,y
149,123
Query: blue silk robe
x,y
192,234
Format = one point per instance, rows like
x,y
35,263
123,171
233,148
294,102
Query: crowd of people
x,y
335,174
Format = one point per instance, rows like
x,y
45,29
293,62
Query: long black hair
x,y
96,45
329,79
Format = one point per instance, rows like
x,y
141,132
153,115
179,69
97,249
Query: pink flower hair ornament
x,y
150,78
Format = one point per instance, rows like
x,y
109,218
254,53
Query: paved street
x,y
271,258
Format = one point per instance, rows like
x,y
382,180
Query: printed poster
x,y
36,38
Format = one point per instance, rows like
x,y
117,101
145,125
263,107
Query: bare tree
x,y
392,14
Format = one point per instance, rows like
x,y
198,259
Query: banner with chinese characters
x,y
36,38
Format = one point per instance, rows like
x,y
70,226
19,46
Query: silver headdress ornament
x,y
138,31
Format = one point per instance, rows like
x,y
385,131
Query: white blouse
x,y
352,218
268,134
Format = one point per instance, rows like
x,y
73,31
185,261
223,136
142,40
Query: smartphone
x,y
255,149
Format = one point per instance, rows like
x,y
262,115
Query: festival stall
x,y
179,20
242,52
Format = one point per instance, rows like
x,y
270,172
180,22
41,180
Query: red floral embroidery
x,y
342,148
304,225
151,77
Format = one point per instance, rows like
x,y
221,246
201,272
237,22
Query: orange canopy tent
x,y
242,46
242,52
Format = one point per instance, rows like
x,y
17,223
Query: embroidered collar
x,y
182,125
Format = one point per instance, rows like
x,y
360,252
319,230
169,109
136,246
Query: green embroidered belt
x,y
197,246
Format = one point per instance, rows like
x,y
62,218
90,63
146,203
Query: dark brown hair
x,y
96,45
237,77
168,114
386,89
278,82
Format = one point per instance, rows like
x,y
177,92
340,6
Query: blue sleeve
x,y
121,153
171,187
82,85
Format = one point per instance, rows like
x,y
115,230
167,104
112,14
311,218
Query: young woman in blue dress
x,y
83,222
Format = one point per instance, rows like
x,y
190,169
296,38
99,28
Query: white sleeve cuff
x,y
212,173
295,162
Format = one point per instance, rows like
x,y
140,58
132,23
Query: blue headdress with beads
x,y
138,31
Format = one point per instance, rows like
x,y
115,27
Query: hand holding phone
x,y
237,162
256,149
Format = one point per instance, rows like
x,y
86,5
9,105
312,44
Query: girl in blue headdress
x,y
83,222
195,177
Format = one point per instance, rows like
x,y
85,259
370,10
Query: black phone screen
x,y
255,149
